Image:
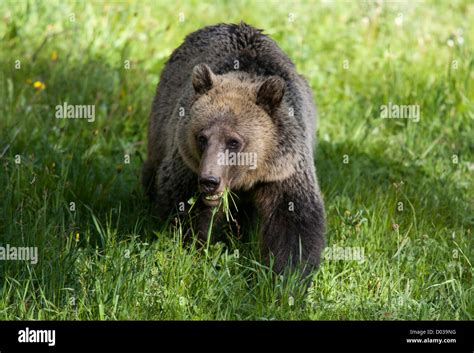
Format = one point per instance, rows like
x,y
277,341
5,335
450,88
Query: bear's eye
x,y
233,144
202,140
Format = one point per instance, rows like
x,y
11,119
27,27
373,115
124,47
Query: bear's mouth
x,y
212,200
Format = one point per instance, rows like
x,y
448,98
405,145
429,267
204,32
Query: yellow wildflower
x,y
38,85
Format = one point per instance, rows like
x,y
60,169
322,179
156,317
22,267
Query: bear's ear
x,y
202,78
270,93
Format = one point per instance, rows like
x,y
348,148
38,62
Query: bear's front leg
x,y
292,222
208,222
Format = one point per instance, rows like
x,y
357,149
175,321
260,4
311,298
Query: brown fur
x,y
225,105
204,106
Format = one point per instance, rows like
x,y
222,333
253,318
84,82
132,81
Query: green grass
x,y
108,259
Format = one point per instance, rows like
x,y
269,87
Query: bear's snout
x,y
209,183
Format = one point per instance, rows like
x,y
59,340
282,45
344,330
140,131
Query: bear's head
x,y
231,132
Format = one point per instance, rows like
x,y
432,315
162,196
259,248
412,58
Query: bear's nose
x,y
209,183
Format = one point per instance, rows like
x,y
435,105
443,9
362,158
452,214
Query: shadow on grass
x,y
368,179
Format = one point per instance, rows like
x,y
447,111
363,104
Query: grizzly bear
x,y
229,91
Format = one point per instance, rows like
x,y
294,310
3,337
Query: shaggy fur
x,y
231,80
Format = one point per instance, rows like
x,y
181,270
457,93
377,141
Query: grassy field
x,y
399,190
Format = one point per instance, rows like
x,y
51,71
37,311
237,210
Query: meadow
x,y
398,192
